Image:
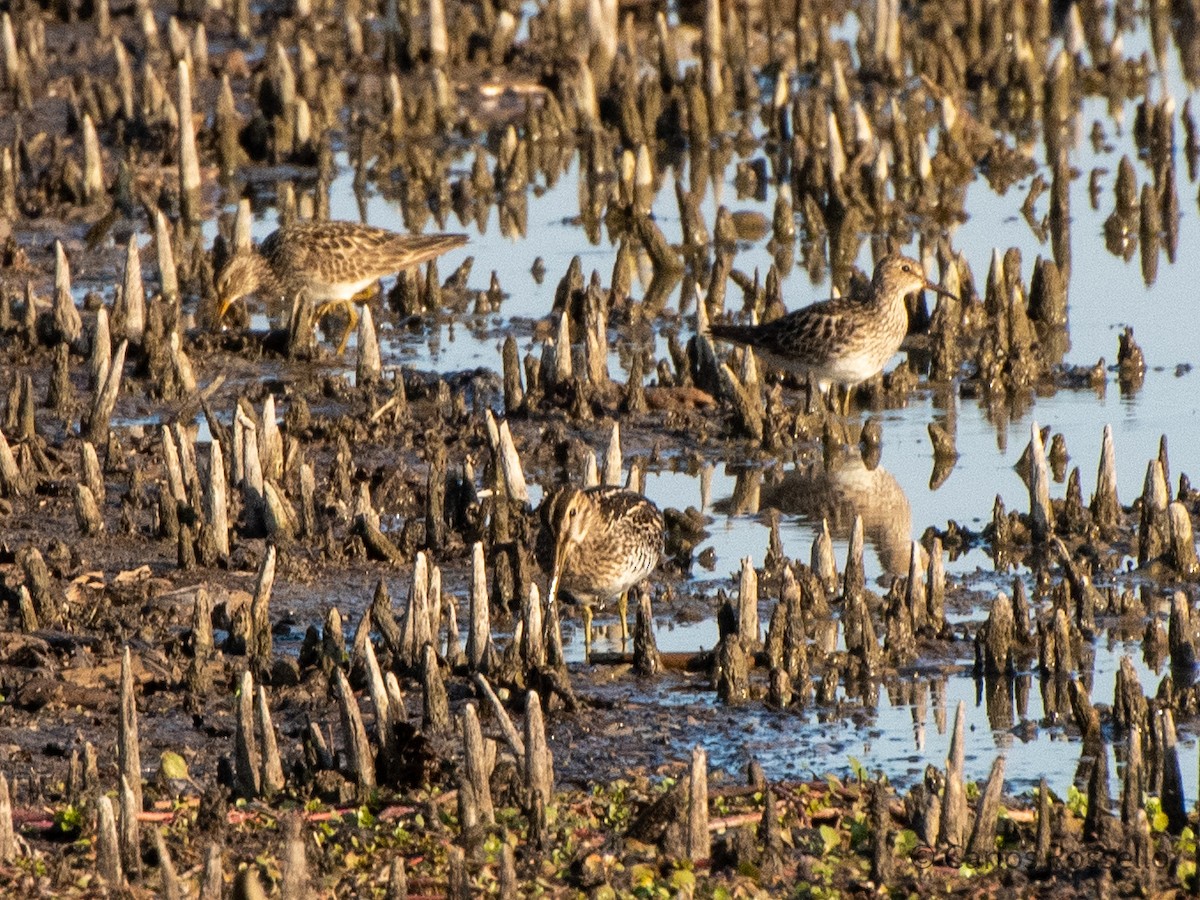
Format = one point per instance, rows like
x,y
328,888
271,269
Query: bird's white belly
x,y
321,292
848,369
852,369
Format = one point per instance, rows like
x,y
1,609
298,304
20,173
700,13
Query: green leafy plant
x,y
859,770
905,842
69,820
831,839
1076,801
1154,812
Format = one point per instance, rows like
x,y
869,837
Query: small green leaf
x,y
906,842
683,878
69,819
860,831
1185,870
642,876
859,770
1076,801
831,838
173,766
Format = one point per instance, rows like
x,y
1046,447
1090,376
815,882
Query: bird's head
x,y
241,276
571,517
901,276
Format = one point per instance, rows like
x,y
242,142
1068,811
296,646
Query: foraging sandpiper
x,y
607,540
841,341
330,263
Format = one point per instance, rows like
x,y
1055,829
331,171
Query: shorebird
x,y
845,340
330,263
607,540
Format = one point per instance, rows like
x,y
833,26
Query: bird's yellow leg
x,y
623,608
587,631
351,324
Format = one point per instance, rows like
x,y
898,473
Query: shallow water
x,y
1105,293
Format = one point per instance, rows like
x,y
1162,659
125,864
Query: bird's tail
x,y
420,248
739,334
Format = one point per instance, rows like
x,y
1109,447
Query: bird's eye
x,y
907,268
572,512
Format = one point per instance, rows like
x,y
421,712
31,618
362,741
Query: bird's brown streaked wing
x,y
616,502
813,330
419,248
346,251
622,507
650,520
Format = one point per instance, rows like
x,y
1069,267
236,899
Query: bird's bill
x,y
560,557
938,289
223,304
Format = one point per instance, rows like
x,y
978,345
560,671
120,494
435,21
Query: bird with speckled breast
x,y
845,340
330,264
607,541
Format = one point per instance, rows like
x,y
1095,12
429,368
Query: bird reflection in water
x,y
836,490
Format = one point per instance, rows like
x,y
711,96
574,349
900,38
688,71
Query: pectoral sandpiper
x,y
841,341
607,540
329,263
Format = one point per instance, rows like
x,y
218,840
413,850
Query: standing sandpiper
x,y
330,263
841,341
607,540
